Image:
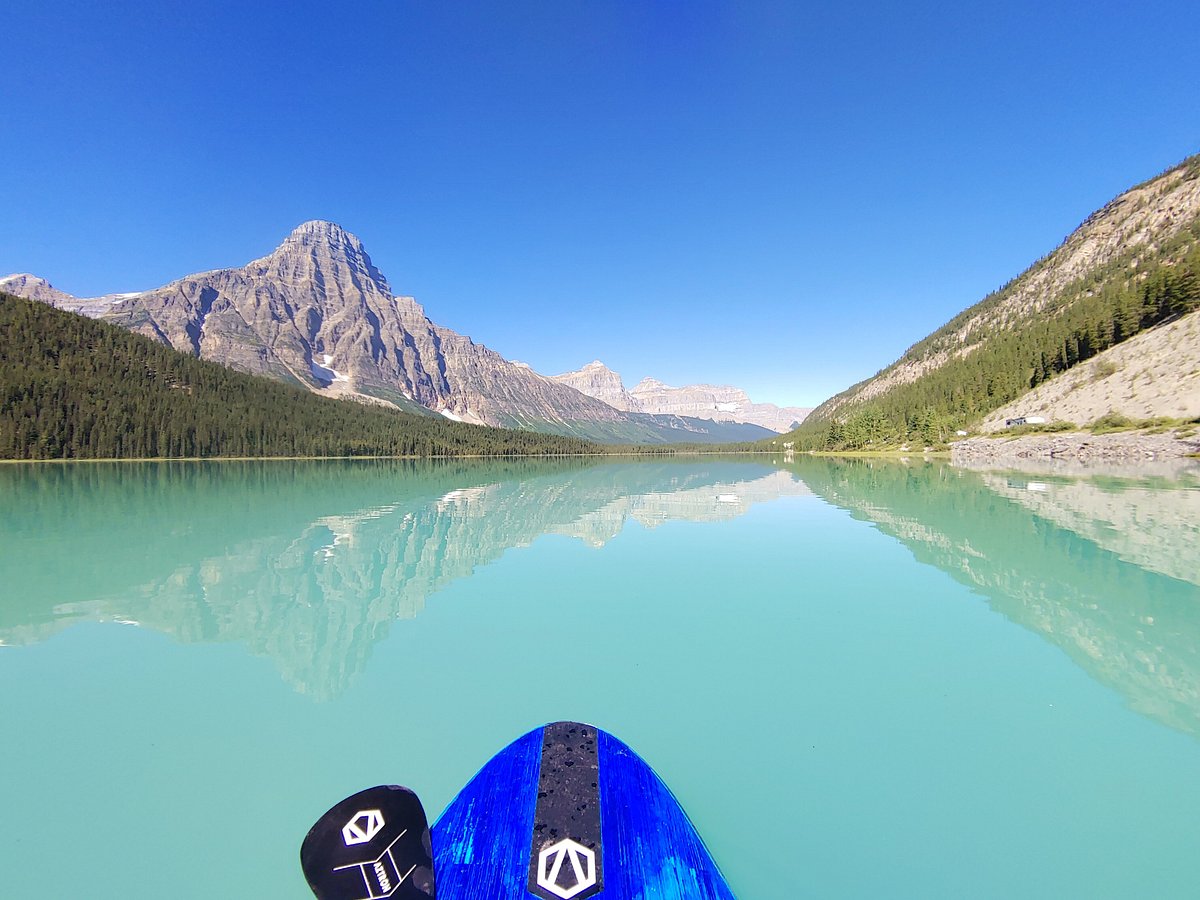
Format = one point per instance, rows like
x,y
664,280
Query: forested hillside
x,y
75,388
1017,338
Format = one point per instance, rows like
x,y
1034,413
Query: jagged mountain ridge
x,y
719,403
33,288
316,312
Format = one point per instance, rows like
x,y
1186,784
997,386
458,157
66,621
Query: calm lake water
x,y
862,679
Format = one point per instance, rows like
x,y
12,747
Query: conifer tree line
x,y
1108,306
75,388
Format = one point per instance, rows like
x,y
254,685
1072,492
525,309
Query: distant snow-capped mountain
x,y
718,403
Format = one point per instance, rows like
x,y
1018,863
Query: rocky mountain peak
x,y
316,312
650,384
23,278
22,284
599,381
318,231
323,251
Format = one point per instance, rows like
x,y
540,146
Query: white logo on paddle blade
x,y
365,825
550,868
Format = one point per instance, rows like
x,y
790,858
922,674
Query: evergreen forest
x,y
75,388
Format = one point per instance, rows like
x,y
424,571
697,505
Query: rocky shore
x,y
1079,446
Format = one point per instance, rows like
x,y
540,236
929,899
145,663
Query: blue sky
x,y
781,196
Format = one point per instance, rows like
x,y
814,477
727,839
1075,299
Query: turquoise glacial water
x,y
862,679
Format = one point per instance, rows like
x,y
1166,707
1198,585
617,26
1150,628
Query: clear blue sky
x,y
781,196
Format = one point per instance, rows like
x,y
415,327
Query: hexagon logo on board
x,y
566,869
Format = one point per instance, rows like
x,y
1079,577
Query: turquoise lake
x,y
862,679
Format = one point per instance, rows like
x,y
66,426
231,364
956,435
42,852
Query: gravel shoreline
x,y
1124,446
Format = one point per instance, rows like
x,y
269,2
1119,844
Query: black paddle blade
x,y
372,845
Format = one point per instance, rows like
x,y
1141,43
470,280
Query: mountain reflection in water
x,y
1105,567
309,563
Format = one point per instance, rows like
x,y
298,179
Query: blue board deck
x,y
569,812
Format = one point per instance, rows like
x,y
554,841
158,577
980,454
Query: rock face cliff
x,y
717,403
599,381
316,312
720,403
